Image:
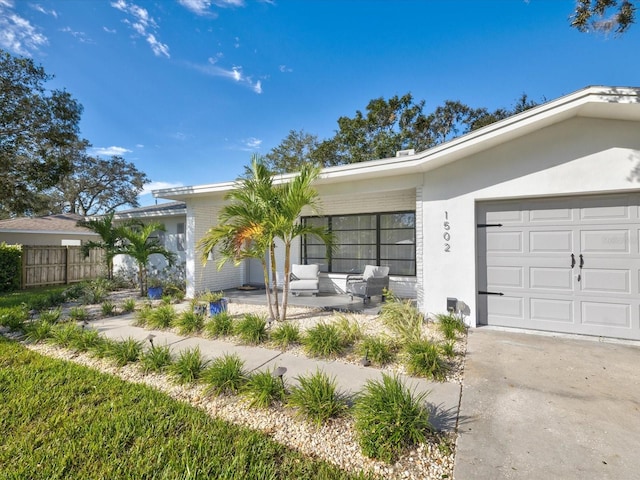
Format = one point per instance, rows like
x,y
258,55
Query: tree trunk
x,y
265,272
274,281
143,282
285,287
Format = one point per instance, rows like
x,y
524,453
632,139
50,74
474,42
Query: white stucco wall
x,y
43,238
579,156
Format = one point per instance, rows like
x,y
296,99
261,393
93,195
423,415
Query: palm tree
x,y
242,232
140,245
109,239
258,213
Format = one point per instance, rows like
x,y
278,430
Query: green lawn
x,y
18,297
62,420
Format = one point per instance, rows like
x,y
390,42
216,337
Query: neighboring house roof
x,y
159,210
620,103
64,223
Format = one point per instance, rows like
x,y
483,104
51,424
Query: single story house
x,y
61,229
532,222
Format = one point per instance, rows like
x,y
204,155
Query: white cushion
x,y
305,272
374,271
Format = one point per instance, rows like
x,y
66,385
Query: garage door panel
x,y
532,270
602,314
554,215
504,242
604,241
546,309
505,306
504,277
551,278
605,281
551,242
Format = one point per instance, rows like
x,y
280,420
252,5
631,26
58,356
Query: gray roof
x,y
63,223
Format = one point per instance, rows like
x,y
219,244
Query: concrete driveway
x,y
543,407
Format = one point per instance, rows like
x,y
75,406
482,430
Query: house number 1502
x,y
446,235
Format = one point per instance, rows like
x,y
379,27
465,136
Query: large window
x,y
387,239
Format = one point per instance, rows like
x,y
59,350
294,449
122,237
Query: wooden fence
x,y
55,265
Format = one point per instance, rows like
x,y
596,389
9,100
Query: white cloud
x,y
235,74
80,36
16,33
108,30
41,9
113,150
251,143
202,7
285,69
139,145
144,25
150,187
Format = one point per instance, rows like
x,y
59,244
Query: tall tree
x,y
38,132
139,244
96,186
604,15
293,151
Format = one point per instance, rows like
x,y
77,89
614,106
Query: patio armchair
x,y
373,281
304,279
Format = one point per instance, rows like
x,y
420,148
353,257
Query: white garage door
x,y
564,265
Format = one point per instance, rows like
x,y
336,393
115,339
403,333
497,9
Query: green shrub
x,y
252,329
162,317
378,350
38,331
52,316
10,267
75,291
388,418
108,308
14,317
403,318
129,305
450,325
220,324
448,348
349,329
86,340
263,389
77,313
188,367
156,359
285,334
316,398
143,315
103,347
425,360
63,334
94,292
225,375
188,322
126,351
323,340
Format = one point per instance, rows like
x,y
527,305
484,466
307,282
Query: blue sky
x,y
188,90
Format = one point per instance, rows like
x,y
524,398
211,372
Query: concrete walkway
x,y
443,398
544,407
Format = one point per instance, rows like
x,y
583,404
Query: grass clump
x,y
350,330
380,351
316,398
14,318
225,375
263,389
77,314
85,340
448,349
108,308
388,418
403,318
285,334
324,340
52,315
38,331
62,420
64,334
126,351
162,317
188,322
252,329
450,326
129,305
102,348
424,359
143,316
188,367
220,325
156,359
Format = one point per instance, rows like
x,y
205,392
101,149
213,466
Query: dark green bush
x,y
10,267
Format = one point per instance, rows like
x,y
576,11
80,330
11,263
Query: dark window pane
x,y
397,267
316,251
353,222
350,266
355,251
397,252
355,237
317,221
398,220
403,237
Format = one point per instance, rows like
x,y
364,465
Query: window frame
x,y
377,246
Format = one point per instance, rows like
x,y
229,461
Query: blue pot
x,y
154,293
218,307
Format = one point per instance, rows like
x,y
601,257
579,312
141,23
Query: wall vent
x,y
405,153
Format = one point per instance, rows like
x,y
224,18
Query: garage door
x,y
564,265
